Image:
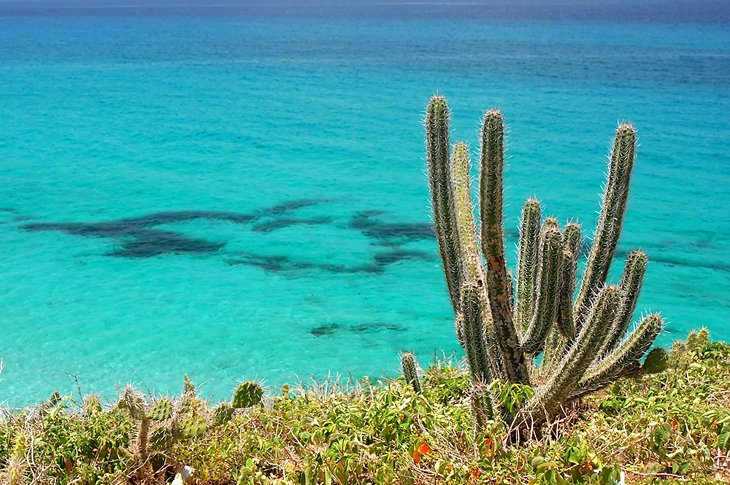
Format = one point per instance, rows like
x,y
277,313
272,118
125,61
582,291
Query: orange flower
x,y
476,473
423,448
489,447
416,456
674,424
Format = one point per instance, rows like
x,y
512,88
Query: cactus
x,y
91,405
162,410
247,394
135,404
481,405
14,473
163,422
222,413
188,386
410,372
581,339
656,361
193,426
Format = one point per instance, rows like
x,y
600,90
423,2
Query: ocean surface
x,y
238,192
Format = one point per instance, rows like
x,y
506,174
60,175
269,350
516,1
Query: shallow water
x,y
237,196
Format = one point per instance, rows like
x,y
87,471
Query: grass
x,y
672,427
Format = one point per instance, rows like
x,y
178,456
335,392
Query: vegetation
x,y
500,419
674,426
580,344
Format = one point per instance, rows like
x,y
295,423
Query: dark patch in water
x,y
285,264
150,243
293,205
329,329
396,255
138,239
23,218
284,222
324,330
365,222
673,261
376,326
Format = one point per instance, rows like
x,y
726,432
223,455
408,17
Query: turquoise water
x,y
243,196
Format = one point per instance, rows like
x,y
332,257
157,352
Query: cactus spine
x,y
581,341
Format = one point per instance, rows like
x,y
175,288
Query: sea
x,y
237,190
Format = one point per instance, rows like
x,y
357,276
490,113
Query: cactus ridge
x,y
504,332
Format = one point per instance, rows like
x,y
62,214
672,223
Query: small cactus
x,y
54,399
656,361
16,465
410,372
247,394
188,386
134,402
193,426
92,405
222,413
162,410
161,439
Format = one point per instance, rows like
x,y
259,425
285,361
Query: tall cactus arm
x,y
625,358
572,239
560,337
631,282
564,378
499,287
527,262
626,138
471,269
470,264
437,149
571,246
491,201
608,230
548,291
477,349
564,317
